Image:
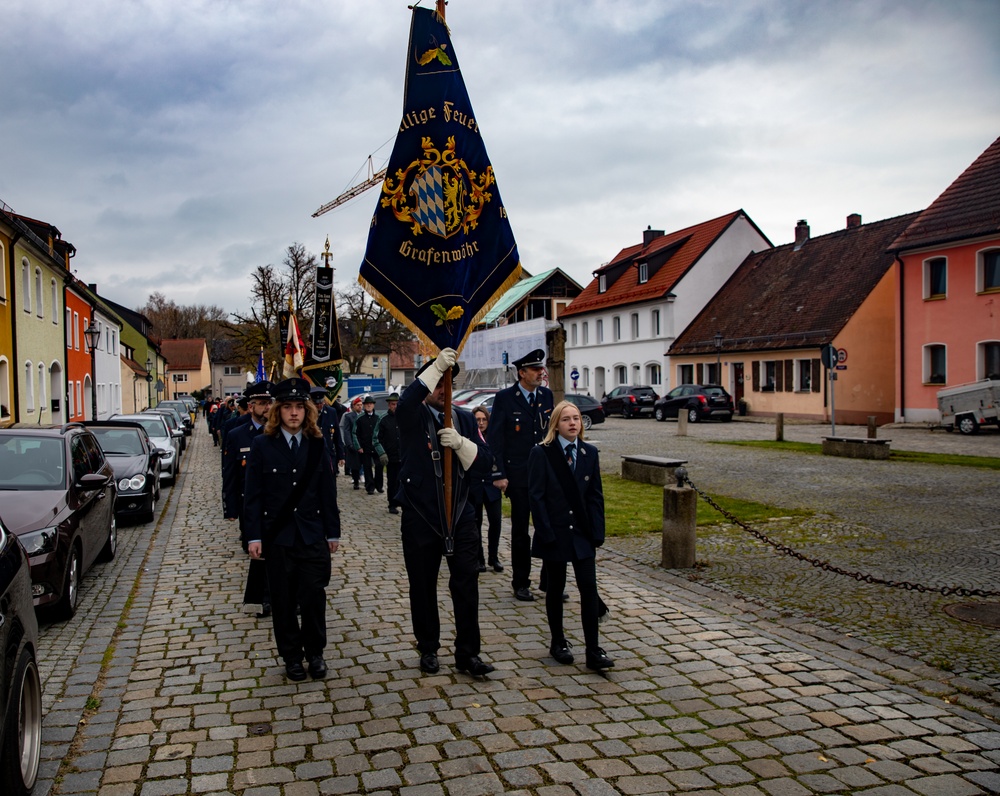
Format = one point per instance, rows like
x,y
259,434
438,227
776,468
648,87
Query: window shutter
x,y
699,371
789,375
779,383
755,370
815,375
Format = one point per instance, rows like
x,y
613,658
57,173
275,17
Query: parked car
x,y
591,411
176,426
161,435
698,401
187,417
629,401
475,398
59,497
136,462
21,694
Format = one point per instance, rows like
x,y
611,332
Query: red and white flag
x,y
294,350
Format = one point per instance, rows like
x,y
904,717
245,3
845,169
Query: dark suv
x,y
629,401
58,498
698,401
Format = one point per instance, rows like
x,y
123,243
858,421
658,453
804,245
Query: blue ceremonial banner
x,y
440,248
260,366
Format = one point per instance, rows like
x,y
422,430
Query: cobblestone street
x,y
165,684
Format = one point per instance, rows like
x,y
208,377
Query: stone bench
x,y
657,470
856,447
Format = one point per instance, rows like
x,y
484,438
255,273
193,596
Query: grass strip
x,y
951,459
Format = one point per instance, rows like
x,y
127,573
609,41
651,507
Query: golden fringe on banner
x,y
508,283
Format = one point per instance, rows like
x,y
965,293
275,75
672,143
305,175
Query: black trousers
x,y
586,580
392,487
494,517
373,471
297,577
423,549
520,537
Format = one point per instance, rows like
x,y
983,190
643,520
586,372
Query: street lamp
x,y
149,382
718,356
93,336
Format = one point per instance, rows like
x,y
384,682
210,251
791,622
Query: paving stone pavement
x,y
165,684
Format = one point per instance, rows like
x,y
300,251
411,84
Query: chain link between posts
x,y
947,591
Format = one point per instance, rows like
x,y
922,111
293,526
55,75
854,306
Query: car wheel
x,y
150,515
967,424
587,422
111,545
692,415
70,598
626,411
659,414
23,733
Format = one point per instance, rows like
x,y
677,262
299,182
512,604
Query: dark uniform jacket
x,y
235,420
364,432
419,481
387,437
515,428
329,424
565,529
234,462
272,473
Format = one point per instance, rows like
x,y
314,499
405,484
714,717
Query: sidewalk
x,y
708,695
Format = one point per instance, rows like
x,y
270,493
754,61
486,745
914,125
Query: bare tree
x,y
366,328
171,320
258,327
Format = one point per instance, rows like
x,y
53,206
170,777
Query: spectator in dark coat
x,y
352,460
364,443
387,448
486,498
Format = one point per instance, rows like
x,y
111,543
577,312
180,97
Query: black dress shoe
x,y
476,666
429,663
393,510
295,671
317,667
370,491
497,566
265,611
560,651
481,567
380,491
357,486
524,594
598,660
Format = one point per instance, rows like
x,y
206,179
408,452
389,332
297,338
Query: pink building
x,y
948,291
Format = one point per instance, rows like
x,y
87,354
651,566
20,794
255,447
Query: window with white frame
x,y
180,377
935,364
39,298
602,283
71,402
685,374
4,388
231,370
767,375
989,358
599,331
616,328
26,285
988,271
79,397
643,273
29,386
654,323
635,325
55,302
41,387
586,378
803,375
3,274
654,374
935,278
586,333
621,374
86,345
572,334
712,373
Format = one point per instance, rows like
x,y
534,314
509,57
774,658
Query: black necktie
x,y
295,446
570,457
531,400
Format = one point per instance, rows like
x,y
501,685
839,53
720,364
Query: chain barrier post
x,y
680,509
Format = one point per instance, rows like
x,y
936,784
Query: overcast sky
x,y
178,144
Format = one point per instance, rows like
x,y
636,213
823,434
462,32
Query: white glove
x,y
464,449
444,362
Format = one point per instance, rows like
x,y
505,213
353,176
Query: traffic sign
x,y
829,355
574,374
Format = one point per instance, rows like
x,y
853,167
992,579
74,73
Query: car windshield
x,y
171,420
28,462
119,441
581,400
153,425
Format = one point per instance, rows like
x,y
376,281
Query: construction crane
x,y
374,178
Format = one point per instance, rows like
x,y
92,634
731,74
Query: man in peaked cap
x,y
518,422
387,448
364,443
426,533
291,519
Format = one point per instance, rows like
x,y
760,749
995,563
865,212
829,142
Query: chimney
x,y
801,233
854,221
649,235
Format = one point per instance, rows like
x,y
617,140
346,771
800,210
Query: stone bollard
x,y
779,427
682,422
680,508
872,428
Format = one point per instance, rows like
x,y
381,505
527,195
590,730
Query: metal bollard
x,y
680,508
779,427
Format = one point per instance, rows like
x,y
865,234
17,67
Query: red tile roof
x,y
968,208
792,298
691,243
184,354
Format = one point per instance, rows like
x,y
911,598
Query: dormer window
x,y
643,273
602,283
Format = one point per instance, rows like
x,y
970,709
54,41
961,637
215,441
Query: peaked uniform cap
x,y
262,389
534,359
293,389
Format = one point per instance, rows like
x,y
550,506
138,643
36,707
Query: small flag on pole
x,y
440,248
260,366
293,349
